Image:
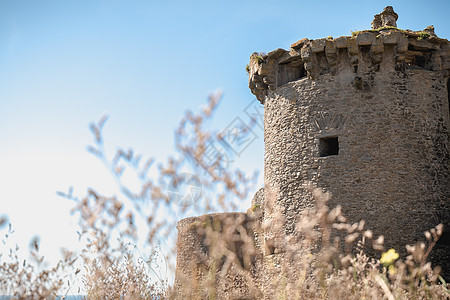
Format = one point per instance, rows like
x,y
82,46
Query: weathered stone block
x,y
413,53
341,42
267,68
276,53
291,56
253,66
365,38
437,40
299,44
377,46
306,54
391,37
318,45
330,47
402,45
352,46
421,44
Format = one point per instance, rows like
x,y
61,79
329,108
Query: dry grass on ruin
x,y
321,268
317,264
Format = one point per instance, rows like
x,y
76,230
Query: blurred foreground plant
x,y
147,216
326,258
33,279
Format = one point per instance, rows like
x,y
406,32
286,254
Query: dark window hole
x,y
290,72
444,240
329,146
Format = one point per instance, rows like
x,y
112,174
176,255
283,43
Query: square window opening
x,y
328,146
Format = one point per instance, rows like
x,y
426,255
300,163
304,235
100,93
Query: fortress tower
x,y
366,118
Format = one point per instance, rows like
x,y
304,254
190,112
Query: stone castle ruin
x,y
366,118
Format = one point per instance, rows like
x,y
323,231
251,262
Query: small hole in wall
x,y
328,146
421,61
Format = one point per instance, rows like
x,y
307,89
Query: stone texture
x,y
365,38
391,38
341,42
318,45
299,44
276,53
288,57
392,166
352,46
421,44
377,46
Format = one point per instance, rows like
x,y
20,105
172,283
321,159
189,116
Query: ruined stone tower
x,y
365,117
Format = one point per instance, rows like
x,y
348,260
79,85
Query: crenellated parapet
x,y
364,51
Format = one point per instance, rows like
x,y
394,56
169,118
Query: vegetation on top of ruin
x,y
255,207
420,35
258,57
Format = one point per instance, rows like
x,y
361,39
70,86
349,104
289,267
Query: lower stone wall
x,y
217,257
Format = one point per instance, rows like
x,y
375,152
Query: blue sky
x,y
65,63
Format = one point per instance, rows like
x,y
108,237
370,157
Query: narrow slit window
x,y
329,146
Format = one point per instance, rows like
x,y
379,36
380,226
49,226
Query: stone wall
x,y
217,258
391,168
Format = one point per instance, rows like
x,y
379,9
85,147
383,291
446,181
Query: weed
x,y
258,57
422,35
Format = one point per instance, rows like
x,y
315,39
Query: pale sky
x,y
64,64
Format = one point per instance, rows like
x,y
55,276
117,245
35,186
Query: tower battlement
x,y
382,47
